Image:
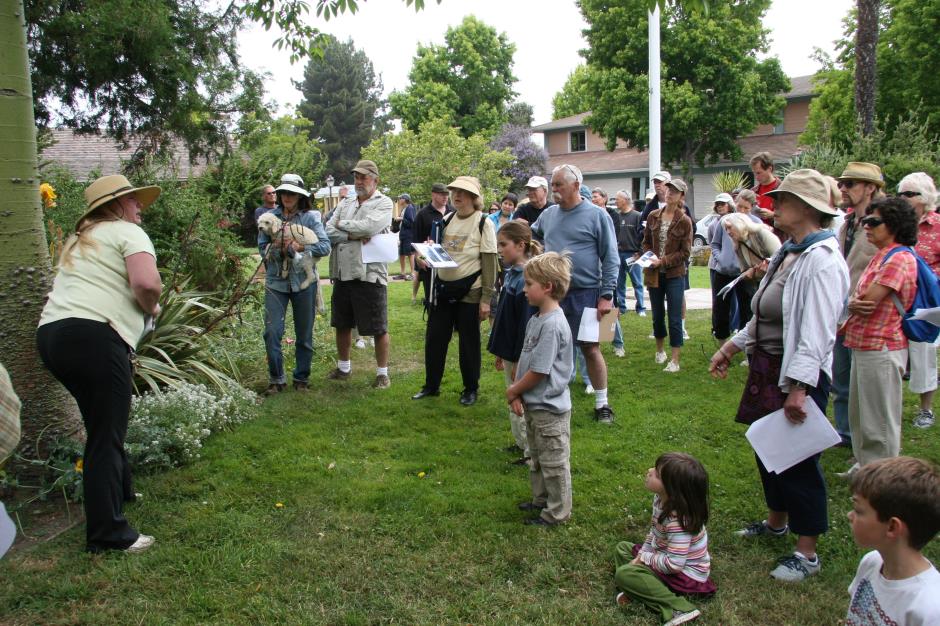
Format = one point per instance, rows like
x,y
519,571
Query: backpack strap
x,y
894,295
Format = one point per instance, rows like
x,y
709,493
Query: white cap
x,y
662,176
537,181
724,197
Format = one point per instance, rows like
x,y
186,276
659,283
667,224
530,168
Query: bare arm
x,y
144,280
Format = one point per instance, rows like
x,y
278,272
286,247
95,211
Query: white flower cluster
x,y
167,428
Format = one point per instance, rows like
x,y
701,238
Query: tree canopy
x,y
714,89
467,82
410,162
342,95
574,97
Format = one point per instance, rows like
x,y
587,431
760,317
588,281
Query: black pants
x,y
92,361
742,294
443,319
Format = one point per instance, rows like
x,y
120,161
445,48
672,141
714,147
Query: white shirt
x,y
877,601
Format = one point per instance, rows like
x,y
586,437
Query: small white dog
x,y
279,232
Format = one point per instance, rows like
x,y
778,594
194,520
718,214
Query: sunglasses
x,y
846,184
871,221
909,194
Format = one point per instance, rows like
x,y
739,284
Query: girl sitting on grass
x,y
673,562
515,246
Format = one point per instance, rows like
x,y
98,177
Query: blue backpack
x,y
927,296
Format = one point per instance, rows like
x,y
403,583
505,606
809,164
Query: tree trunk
x,y
48,412
866,42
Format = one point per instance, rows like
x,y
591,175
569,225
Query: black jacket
x,y
426,217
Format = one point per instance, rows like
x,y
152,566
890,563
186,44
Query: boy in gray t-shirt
x,y
540,390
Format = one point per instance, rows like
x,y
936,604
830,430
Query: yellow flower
x,y
278,505
79,465
420,474
47,193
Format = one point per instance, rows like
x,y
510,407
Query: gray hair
x,y
920,181
742,225
623,193
748,196
600,191
570,173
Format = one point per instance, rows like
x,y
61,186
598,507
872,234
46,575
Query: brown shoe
x,y
338,374
381,382
301,385
274,388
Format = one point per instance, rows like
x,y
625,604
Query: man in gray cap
x,y
360,297
536,189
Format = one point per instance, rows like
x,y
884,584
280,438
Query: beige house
x,y
568,140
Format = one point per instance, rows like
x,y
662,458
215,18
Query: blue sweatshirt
x,y
587,233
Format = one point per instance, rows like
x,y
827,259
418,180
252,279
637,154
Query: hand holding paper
x,y
781,444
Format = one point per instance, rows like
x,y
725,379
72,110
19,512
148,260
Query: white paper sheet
x,y
7,530
646,260
724,291
781,444
931,316
381,248
589,330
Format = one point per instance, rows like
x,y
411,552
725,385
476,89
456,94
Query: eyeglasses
x,y
846,184
909,194
871,221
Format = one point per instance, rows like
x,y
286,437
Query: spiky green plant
x,y
728,181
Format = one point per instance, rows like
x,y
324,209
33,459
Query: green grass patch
x,y
362,539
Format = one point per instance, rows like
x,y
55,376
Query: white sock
x,y
804,557
600,398
344,366
381,371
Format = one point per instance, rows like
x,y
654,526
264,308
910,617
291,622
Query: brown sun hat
x,y
809,186
108,188
865,172
467,183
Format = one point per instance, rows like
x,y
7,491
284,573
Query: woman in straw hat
x,y
463,293
282,284
106,286
789,342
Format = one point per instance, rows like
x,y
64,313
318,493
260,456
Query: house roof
x,y
83,154
782,148
800,87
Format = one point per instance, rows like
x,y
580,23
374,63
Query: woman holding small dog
x,y
105,288
283,283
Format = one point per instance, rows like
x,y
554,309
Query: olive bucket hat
x,y
809,186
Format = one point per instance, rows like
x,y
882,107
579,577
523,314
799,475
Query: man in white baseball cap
x,y
537,191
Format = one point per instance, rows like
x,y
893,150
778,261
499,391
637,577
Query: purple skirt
x,y
681,584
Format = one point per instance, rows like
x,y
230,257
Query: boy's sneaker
x,y
619,352
672,368
661,357
604,415
795,568
762,528
681,617
924,419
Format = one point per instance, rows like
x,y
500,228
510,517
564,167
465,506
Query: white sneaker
x,y
847,474
618,352
360,343
660,357
642,313
795,568
588,389
685,334
672,368
744,363
683,617
652,336
143,543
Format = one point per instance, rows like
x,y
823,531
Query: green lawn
x,y
362,539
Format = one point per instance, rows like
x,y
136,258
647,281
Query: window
x,y
578,141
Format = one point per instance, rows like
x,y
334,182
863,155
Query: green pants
x,y
641,584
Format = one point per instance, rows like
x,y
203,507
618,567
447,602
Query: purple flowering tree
x,y
530,159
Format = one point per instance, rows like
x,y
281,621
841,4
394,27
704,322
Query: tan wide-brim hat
x,y
809,186
467,183
108,188
865,172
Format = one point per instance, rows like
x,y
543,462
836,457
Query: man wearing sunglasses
x,y
268,198
860,184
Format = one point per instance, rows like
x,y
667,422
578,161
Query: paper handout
x,y
781,444
724,291
434,255
645,260
591,330
7,531
380,248
931,316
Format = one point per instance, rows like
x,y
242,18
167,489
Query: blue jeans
x,y
636,279
275,310
618,335
670,292
841,370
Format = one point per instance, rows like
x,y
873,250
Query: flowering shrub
x,y
167,428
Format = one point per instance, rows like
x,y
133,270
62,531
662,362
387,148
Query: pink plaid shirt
x,y
928,240
882,329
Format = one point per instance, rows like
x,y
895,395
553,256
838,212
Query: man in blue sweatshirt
x,y
576,227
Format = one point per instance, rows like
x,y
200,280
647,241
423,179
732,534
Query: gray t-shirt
x,y
766,325
547,350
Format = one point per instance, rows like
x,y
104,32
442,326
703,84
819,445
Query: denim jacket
x,y
296,275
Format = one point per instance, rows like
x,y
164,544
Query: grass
x,y
362,539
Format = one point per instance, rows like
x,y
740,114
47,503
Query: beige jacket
x,y
351,219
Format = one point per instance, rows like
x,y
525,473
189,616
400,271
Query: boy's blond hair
x,y
550,267
905,488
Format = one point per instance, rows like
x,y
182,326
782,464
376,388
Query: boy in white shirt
x,y
896,511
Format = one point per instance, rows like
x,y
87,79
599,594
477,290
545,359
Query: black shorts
x,y
361,305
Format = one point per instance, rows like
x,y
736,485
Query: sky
x,y
547,35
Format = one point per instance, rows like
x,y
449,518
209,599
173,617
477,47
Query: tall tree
x,y
575,95
529,159
520,114
342,94
714,87
466,82
866,42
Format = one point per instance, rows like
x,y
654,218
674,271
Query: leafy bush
x,y
167,428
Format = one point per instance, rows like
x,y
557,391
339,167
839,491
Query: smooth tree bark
x,y
48,413
866,42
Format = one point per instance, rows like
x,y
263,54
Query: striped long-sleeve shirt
x,y
670,549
